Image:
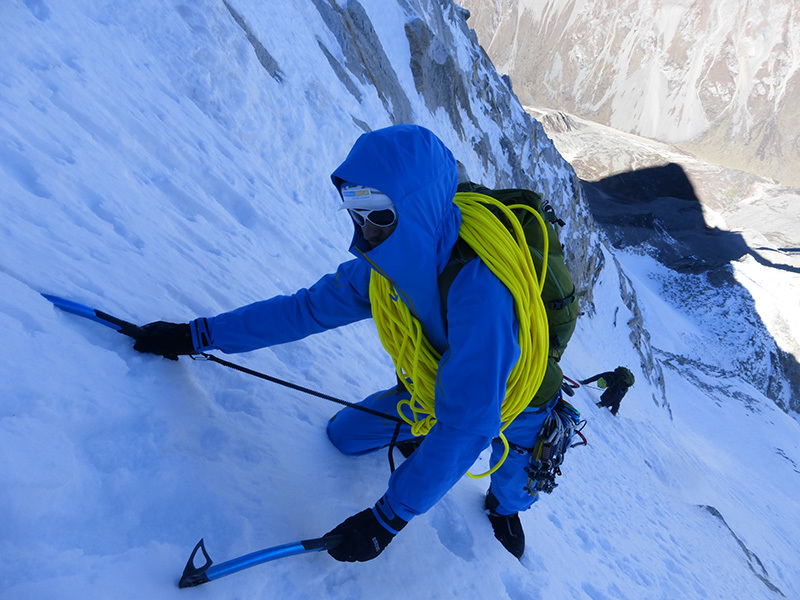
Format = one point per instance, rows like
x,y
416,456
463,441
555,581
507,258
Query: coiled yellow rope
x,y
509,258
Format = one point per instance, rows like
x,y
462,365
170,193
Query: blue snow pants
x,y
355,432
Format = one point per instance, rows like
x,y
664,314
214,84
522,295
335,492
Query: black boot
x,y
507,528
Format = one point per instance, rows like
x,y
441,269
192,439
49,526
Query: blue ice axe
x,y
193,576
95,315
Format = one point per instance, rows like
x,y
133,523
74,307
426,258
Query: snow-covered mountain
x,y
719,78
164,160
730,240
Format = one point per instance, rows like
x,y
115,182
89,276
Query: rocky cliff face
x,y
500,143
719,78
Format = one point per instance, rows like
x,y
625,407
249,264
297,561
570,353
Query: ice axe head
x,y
192,575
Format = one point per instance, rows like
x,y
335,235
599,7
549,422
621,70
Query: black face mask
x,y
374,234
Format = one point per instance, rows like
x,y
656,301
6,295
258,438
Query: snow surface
x,y
152,166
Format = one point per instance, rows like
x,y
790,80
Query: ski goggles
x,y
385,217
368,205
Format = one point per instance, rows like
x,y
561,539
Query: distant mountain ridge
x,y
721,79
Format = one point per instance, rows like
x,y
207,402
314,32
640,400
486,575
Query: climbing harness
x,y
508,257
561,426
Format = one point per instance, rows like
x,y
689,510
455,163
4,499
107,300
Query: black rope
x,y
393,444
308,391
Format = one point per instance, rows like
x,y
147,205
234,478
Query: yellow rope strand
x,y
509,258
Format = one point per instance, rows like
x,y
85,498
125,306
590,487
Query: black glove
x,y
166,339
363,535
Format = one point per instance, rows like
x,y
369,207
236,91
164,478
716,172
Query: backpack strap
x,y
564,302
461,255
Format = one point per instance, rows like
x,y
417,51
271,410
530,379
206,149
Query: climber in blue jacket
x,y
398,185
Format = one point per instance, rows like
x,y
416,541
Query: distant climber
x,y
616,384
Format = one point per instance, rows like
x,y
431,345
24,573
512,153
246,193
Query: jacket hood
x,y
418,172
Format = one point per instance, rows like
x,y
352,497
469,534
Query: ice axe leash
x,y
397,420
294,386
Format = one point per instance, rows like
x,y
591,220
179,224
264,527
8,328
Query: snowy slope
x,y
163,160
717,77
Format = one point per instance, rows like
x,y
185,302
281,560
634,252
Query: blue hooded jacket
x,y
477,340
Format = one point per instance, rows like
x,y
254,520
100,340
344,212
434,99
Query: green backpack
x,y
625,375
559,296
